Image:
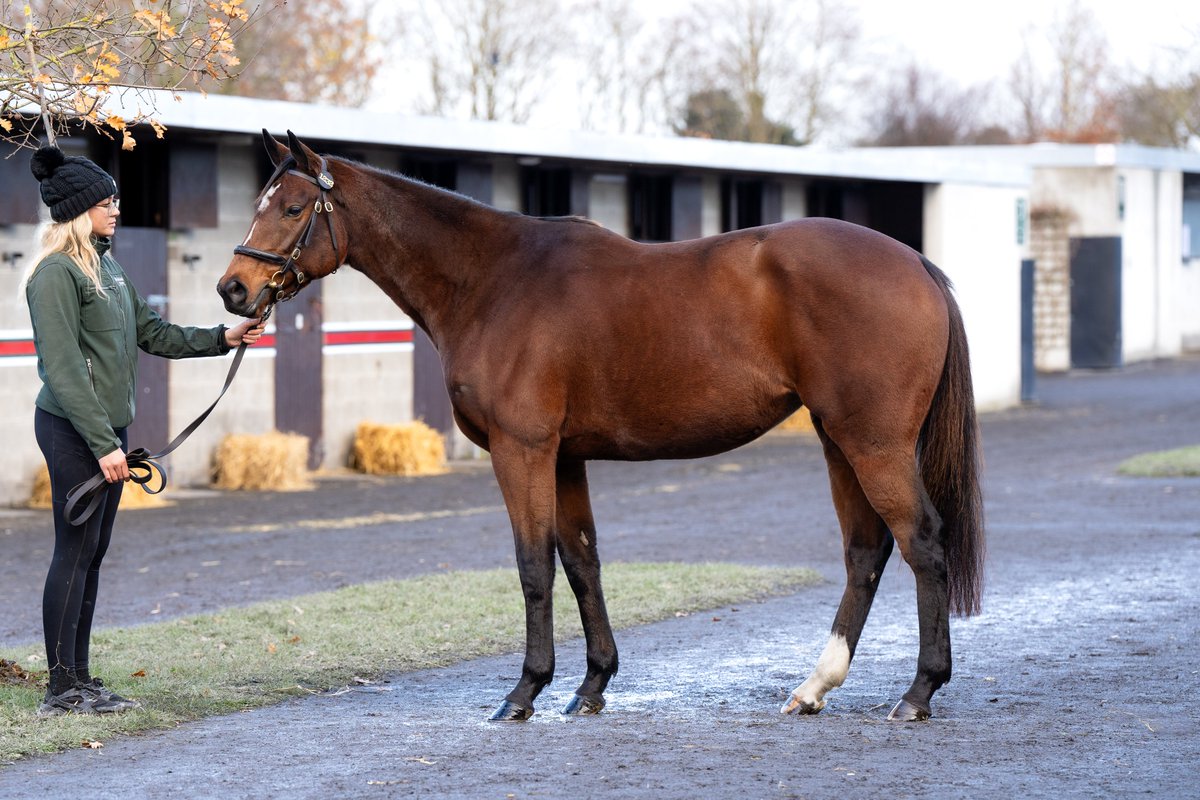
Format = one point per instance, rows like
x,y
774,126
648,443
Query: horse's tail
x,y
950,462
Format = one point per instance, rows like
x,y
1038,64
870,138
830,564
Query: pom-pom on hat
x,y
70,184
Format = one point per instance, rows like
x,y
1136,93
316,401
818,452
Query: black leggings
x,y
69,599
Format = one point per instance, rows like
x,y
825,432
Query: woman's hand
x,y
246,331
114,466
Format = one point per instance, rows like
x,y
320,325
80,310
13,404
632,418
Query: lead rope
x,y
144,466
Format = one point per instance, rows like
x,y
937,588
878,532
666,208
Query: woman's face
x,y
104,216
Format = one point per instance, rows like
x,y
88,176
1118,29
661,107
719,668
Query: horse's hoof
x,y
582,706
795,705
908,712
511,712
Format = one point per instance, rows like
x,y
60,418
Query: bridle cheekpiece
x,y
287,265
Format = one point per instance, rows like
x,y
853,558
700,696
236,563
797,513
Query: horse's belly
x,y
676,432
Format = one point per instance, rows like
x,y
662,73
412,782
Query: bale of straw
x,y
799,422
271,461
411,448
132,498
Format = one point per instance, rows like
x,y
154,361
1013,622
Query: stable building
x,y
342,353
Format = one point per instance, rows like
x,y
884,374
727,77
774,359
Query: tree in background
x,y
783,62
631,70
64,62
716,114
486,59
315,51
1161,107
1076,100
922,108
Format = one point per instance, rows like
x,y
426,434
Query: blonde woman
x,y
88,323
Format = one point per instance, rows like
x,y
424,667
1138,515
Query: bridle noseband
x,y
287,266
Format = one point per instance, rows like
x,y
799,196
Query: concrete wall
x,y
372,383
506,184
1151,261
710,217
970,232
1187,304
249,406
608,202
795,200
1142,206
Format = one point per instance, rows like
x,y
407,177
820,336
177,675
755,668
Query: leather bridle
x,y
287,265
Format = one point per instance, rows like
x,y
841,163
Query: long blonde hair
x,y
74,238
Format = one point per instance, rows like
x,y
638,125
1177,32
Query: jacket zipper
x,y
91,375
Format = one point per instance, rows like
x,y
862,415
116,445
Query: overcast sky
x,y
969,41
975,41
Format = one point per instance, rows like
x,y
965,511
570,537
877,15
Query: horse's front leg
x,y
581,561
526,478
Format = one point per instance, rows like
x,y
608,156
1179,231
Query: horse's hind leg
x,y
581,561
888,475
867,544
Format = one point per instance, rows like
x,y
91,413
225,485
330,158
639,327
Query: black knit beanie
x,y
70,184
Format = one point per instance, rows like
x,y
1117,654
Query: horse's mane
x,y
572,218
424,185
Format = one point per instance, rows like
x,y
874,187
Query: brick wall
x,y
1050,246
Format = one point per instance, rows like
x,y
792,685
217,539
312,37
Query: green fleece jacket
x,y
87,344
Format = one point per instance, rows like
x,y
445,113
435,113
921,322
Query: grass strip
x,y
1178,463
252,656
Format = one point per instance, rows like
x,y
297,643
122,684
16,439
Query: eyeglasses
x,y
111,206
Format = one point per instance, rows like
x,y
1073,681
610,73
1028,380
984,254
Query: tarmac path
x,y
1078,680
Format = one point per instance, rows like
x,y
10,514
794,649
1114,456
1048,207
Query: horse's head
x,y
293,237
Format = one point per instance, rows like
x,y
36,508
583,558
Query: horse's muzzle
x,y
236,297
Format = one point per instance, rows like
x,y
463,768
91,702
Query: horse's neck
x,y
431,251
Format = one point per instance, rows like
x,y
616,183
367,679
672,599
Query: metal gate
x,y
142,253
298,370
1096,302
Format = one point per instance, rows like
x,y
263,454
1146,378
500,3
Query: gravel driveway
x,y
1079,679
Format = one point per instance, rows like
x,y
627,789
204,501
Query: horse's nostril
x,y
234,291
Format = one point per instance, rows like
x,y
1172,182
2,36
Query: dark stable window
x,y
894,208
193,185
650,208
19,200
441,172
142,177
546,191
741,204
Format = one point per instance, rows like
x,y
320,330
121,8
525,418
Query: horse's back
x,y
695,347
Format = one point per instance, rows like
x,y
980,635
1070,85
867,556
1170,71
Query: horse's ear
x,y
305,158
275,151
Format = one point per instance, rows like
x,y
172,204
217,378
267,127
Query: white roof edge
x,y
229,114
1054,154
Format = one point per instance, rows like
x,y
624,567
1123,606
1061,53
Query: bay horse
x,y
563,342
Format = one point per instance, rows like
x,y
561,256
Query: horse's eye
x,y
293,211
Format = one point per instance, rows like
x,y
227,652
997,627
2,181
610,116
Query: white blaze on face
x,y
830,672
251,233
262,205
